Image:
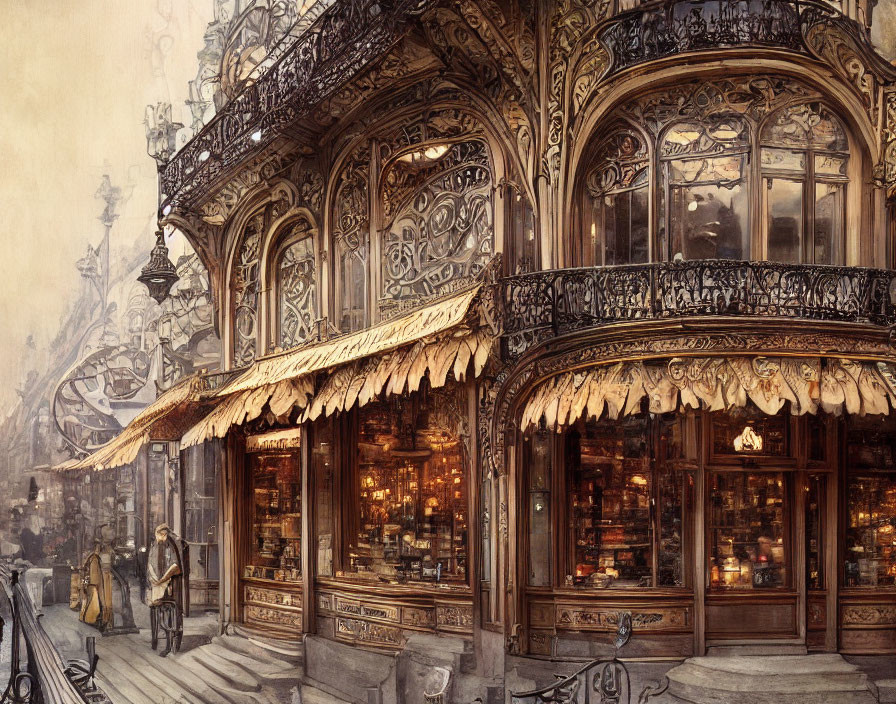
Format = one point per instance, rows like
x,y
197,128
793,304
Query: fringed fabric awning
x,y
389,335
123,449
438,339
715,384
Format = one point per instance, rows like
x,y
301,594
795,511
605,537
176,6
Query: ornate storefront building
x,y
544,313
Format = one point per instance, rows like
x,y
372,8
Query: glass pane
x,y
710,222
298,292
829,217
275,551
539,509
671,499
802,126
413,496
322,466
785,220
814,571
870,536
485,499
245,288
747,531
829,165
625,227
783,159
609,504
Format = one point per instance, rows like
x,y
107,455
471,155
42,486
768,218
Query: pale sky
x,y
77,75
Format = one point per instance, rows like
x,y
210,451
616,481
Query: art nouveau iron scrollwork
x,y
244,292
547,304
344,38
442,230
601,681
297,288
679,27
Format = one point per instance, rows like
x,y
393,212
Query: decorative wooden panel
x,y
278,618
751,619
386,620
587,618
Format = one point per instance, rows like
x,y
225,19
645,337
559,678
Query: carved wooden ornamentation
x,y
715,383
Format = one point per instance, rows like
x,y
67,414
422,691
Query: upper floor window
x,y
439,220
805,155
297,287
351,239
748,169
244,290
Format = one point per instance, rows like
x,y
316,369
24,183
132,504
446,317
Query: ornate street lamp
x,y
159,275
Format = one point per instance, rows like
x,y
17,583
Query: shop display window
x,y
276,538
871,530
609,475
322,464
413,500
870,545
748,530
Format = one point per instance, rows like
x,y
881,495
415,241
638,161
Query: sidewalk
x,y
210,669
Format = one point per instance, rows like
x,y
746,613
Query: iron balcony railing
x,y
545,304
344,39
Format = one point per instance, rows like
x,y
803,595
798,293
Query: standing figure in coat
x,y
164,571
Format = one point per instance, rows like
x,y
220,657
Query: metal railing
x,y
605,681
41,677
343,40
545,304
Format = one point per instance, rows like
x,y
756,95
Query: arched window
x,y
351,236
805,154
297,287
706,188
244,291
439,220
747,168
619,202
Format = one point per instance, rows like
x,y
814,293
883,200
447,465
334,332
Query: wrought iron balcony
x,y
656,30
343,40
546,304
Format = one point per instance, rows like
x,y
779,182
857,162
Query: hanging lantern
x,y
159,275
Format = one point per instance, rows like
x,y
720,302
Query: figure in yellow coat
x,y
96,584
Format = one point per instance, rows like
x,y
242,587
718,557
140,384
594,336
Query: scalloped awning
x,y
155,418
444,336
810,384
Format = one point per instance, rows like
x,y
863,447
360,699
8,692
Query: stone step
x,y
290,648
886,691
312,695
820,679
259,666
245,646
237,677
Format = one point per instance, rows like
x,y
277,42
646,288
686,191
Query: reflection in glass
x,y
708,188
871,530
275,551
785,220
618,190
413,496
747,530
539,509
609,475
814,571
829,221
